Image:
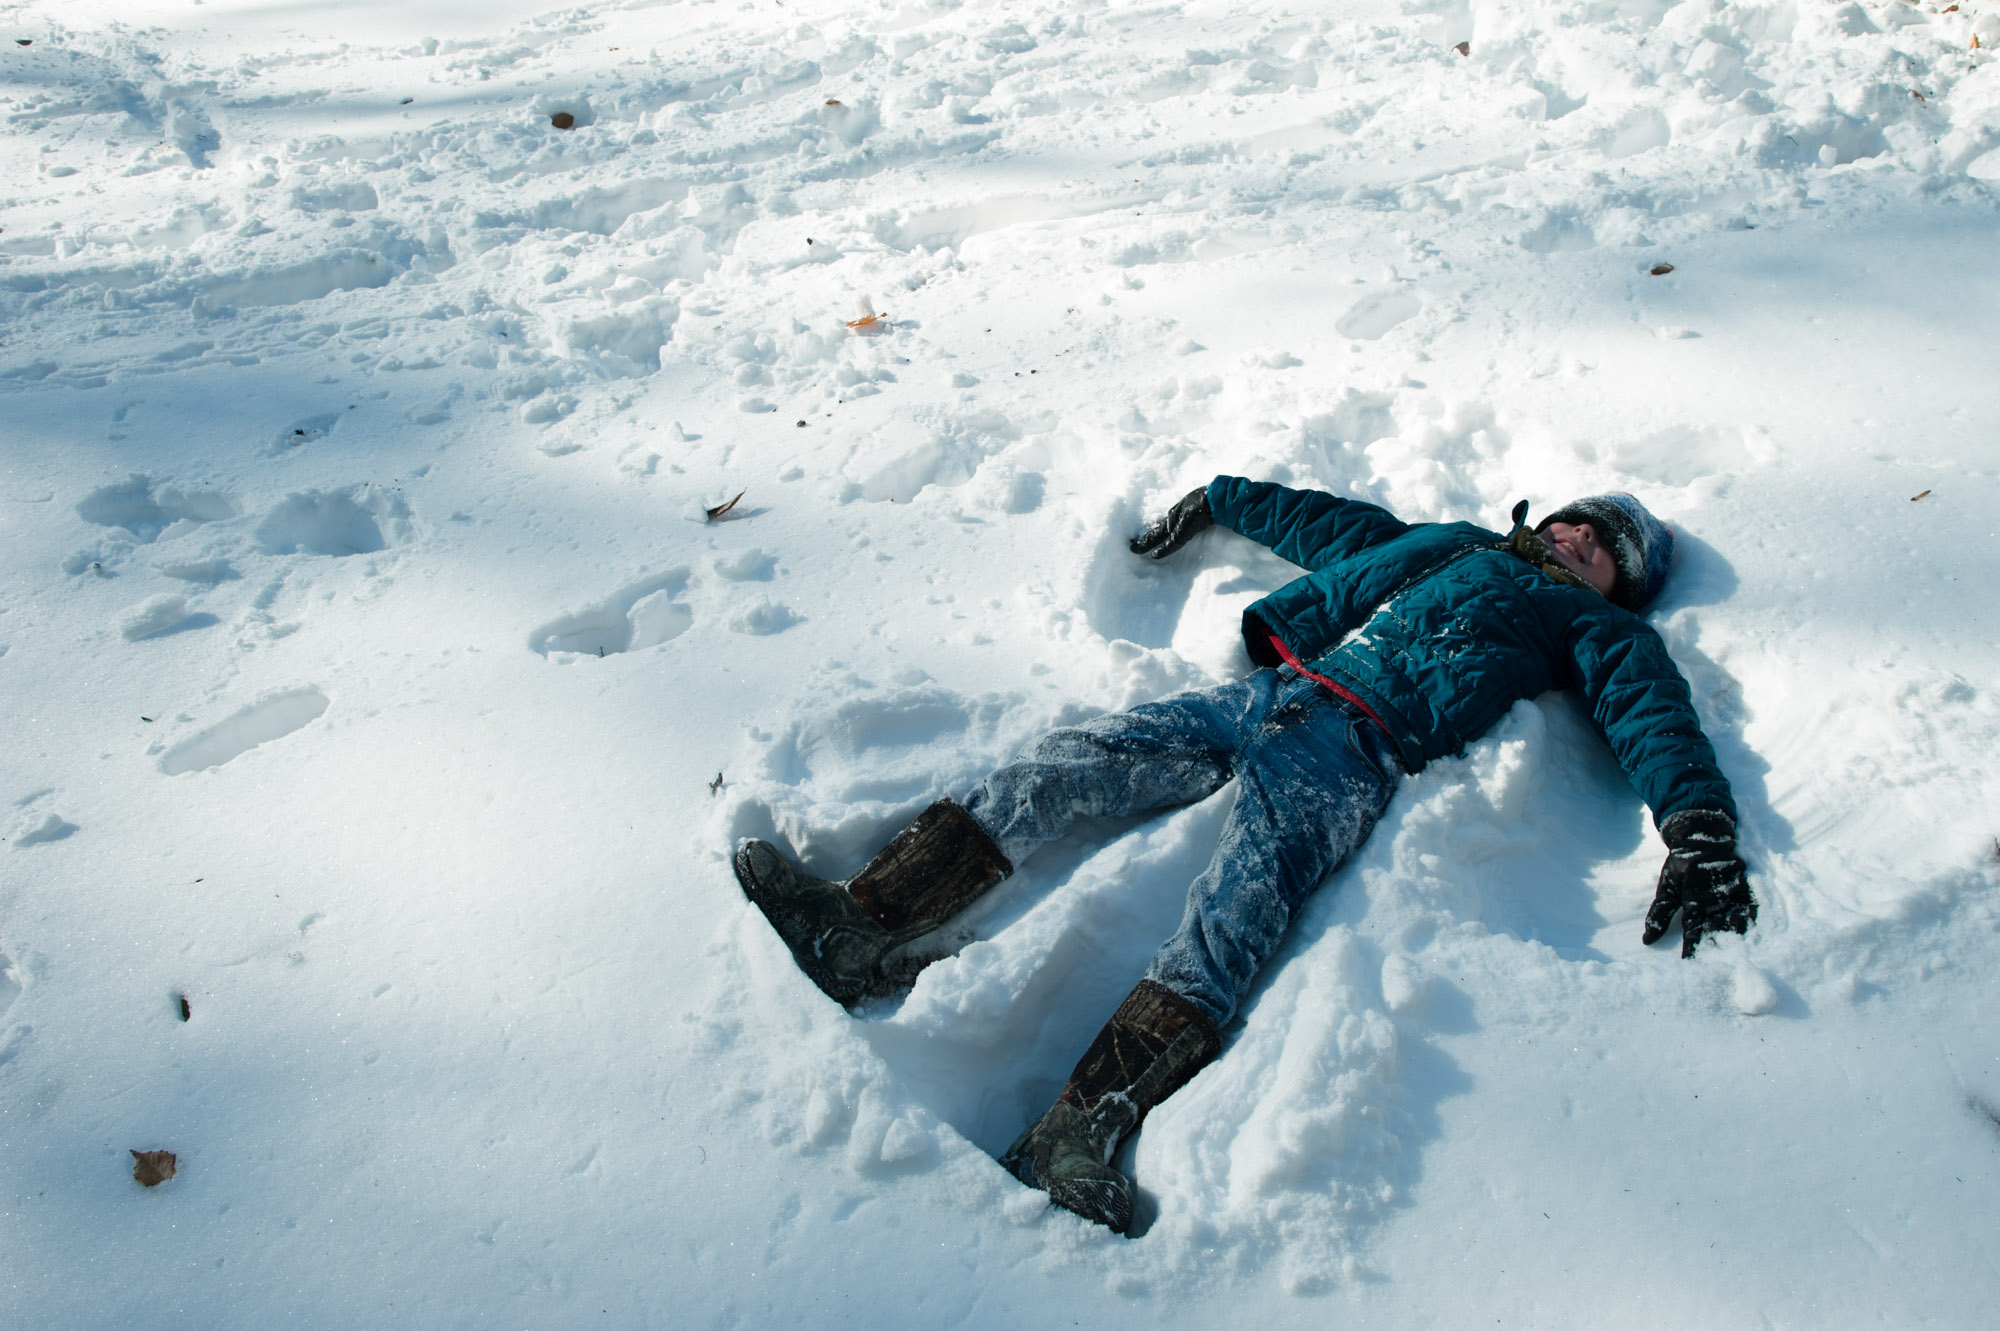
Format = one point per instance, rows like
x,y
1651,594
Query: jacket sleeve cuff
x,y
1257,637
1218,500
1692,829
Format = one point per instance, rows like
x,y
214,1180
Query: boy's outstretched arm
x,y
1308,527
1642,705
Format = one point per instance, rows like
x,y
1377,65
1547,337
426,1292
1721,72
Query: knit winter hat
x,y
1641,545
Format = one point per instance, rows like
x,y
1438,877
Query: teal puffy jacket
x,y
1440,629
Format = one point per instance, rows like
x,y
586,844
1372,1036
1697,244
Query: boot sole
x,y
1107,1202
796,934
1095,1199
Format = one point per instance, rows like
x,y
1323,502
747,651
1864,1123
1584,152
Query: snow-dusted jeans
x,y
1314,776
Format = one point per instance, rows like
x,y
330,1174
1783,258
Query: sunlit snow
x,y
374,679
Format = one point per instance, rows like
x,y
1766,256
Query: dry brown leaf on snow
x,y
152,1168
720,509
867,321
1915,497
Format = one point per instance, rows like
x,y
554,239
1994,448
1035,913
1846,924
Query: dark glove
x,y
1702,879
1182,523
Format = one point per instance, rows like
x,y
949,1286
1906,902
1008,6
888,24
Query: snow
x,y
376,680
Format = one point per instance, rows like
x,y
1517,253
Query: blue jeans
x,y
1314,776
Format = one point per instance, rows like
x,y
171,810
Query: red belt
x,y
1340,691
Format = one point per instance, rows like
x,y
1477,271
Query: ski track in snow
x,y
363,419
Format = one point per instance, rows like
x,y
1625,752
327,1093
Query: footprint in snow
x,y
305,431
1376,313
261,722
643,614
50,827
150,511
760,616
197,570
359,521
751,565
651,611
160,615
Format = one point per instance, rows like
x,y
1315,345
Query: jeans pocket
x,y
1375,749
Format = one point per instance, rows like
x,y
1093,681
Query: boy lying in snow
x,y
1402,643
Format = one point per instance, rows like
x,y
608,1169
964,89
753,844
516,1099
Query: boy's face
x,y
1578,550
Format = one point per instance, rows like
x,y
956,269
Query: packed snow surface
x,y
377,686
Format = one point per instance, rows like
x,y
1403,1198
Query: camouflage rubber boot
x,y
936,867
1152,1045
